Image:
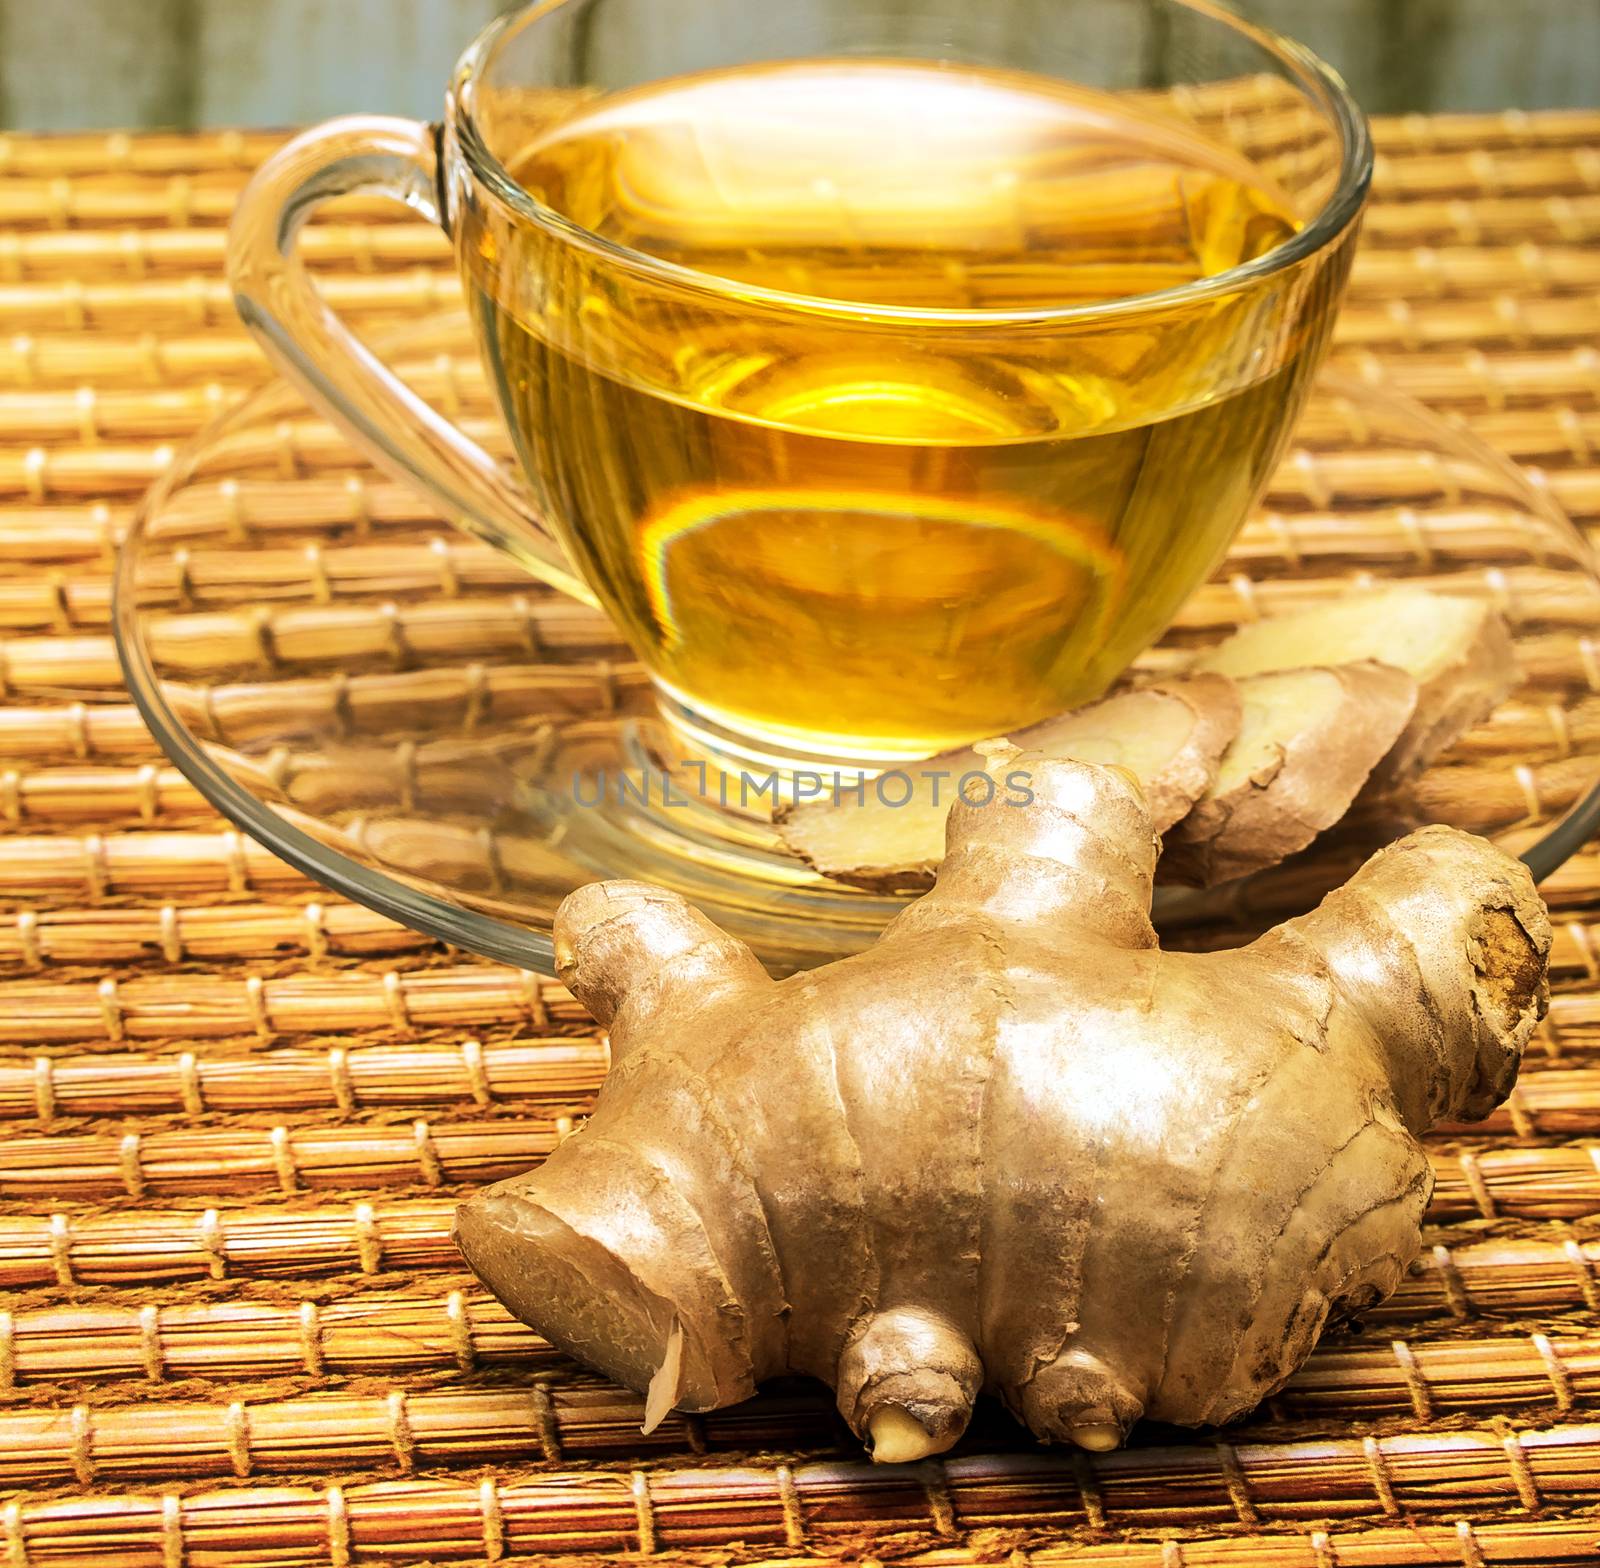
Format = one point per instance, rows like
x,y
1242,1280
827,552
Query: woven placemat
x,y
235,1112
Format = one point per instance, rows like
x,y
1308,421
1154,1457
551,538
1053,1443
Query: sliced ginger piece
x,y
1308,741
1169,736
1458,651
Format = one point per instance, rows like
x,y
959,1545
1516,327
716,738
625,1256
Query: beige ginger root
x,y
1458,651
1307,742
1322,691
1170,735
1013,1146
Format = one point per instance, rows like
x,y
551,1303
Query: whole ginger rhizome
x,y
1014,1147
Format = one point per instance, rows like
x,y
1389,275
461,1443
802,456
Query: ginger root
x,y
1171,735
1307,741
1458,651
1368,687
1013,1146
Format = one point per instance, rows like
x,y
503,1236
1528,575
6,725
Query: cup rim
x,y
1312,74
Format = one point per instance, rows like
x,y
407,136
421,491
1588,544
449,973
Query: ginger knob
x,y
1014,1146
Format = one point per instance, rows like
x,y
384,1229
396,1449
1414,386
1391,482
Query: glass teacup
x,y
889,378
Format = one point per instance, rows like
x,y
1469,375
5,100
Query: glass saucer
x,y
400,712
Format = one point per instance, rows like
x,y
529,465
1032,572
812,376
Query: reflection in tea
x,y
866,536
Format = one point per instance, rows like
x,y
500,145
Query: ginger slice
x,y
1308,742
1169,736
1458,651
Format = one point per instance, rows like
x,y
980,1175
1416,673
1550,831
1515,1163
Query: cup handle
x,y
373,155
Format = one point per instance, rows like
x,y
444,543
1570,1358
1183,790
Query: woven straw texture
x,y
235,1112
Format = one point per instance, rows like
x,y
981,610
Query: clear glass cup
x,y
873,460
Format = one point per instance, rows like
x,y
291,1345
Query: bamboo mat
x,y
235,1112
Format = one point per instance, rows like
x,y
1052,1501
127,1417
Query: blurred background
x,y
82,64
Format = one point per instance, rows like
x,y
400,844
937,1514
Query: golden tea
x,y
853,521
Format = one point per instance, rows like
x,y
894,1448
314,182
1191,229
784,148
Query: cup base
x,y
715,740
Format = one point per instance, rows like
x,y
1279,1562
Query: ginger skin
x,y
1014,1146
